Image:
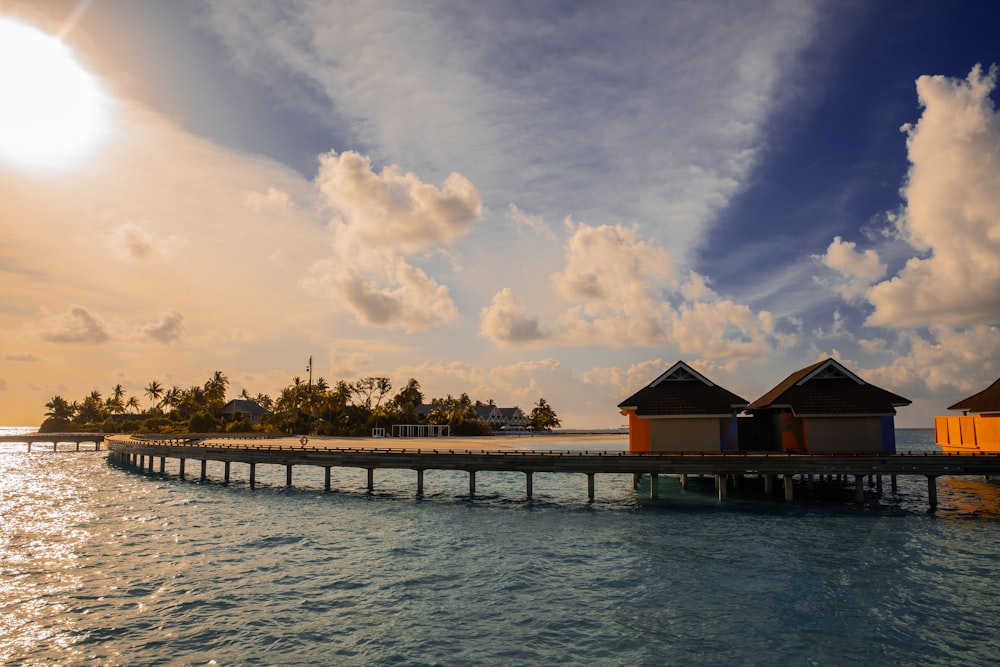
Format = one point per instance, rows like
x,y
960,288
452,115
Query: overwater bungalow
x,y
822,408
682,411
977,429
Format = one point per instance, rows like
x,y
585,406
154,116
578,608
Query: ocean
x,y
99,566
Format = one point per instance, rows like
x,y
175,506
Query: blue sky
x,y
517,200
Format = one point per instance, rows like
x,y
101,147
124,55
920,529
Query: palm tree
x,y
132,404
155,392
59,409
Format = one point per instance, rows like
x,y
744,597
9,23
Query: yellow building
x,y
978,432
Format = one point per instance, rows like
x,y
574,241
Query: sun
x,y
51,109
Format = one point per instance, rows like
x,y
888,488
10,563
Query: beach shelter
x,y
823,408
682,411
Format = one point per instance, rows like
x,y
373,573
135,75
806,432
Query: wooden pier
x,y
140,453
56,439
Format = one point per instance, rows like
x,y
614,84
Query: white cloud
x,y
134,242
394,209
168,329
506,322
858,270
952,214
533,222
381,219
955,361
78,325
273,199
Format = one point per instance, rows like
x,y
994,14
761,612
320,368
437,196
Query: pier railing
x,y
141,452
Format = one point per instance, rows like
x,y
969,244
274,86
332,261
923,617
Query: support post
x,y
288,475
878,485
683,480
150,465
326,478
768,484
636,478
181,472
472,483
371,479
721,483
163,465
932,491
859,489
590,486
225,472
527,483
789,487
654,485
204,470
253,475
420,482
892,484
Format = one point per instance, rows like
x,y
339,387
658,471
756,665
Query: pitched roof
x,y
828,388
682,391
988,400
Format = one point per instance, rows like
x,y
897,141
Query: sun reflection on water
x,y
42,532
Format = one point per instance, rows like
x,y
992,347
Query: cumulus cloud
x,y
27,357
168,329
388,293
273,199
858,270
952,212
382,218
134,242
959,361
623,289
77,325
533,222
506,321
395,209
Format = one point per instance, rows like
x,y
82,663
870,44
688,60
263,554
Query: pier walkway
x,y
56,439
140,453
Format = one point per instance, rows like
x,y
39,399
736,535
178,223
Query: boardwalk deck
x,y
140,453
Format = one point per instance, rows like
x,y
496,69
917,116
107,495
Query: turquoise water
x,y
101,566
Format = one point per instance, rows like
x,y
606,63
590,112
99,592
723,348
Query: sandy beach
x,y
470,443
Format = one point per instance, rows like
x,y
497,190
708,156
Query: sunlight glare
x,y
50,107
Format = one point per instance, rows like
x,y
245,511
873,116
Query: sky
x,y
516,200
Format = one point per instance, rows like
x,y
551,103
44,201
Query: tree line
x,y
315,408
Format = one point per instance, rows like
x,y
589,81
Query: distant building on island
x,y
820,408
682,411
975,432
244,409
489,414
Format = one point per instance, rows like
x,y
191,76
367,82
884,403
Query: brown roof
x,y
988,400
682,391
828,388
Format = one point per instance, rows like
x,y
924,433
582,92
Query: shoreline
x,y
476,443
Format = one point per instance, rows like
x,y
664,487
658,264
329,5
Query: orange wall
x,y
968,432
638,433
